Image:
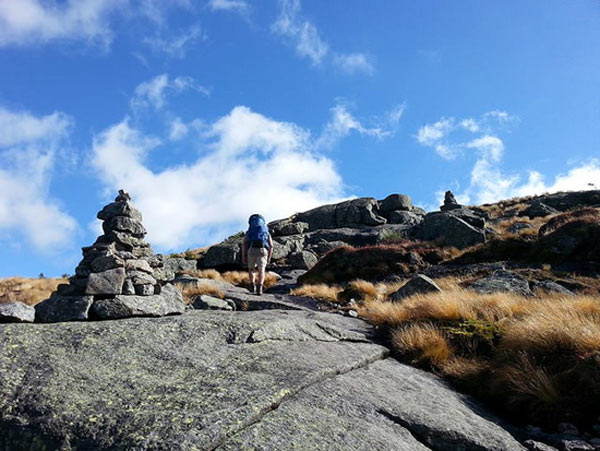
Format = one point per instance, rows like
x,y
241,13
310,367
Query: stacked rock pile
x,y
119,275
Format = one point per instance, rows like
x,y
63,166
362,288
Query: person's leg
x,y
252,279
261,266
252,260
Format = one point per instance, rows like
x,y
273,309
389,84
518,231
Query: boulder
x,y
265,380
178,264
551,287
420,284
204,302
502,281
16,312
63,308
285,245
358,212
227,253
403,217
395,202
106,282
351,213
168,302
288,228
302,260
450,230
538,210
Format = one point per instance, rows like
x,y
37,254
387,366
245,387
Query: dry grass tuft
x,y
423,344
26,290
190,291
319,291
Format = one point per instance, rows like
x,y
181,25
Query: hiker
x,y
257,249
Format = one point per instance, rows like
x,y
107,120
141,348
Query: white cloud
x,y
27,156
304,34
251,163
153,93
429,134
239,6
470,124
488,183
394,115
177,129
342,122
29,21
491,147
352,63
176,46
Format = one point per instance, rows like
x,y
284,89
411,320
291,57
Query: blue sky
x,y
207,111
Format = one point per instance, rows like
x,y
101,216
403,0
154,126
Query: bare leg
x,y
252,279
261,278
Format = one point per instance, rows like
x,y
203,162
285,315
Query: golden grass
x,y
237,278
540,356
190,291
425,343
320,291
27,290
242,278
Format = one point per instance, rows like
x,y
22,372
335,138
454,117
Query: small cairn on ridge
x,y
450,202
118,277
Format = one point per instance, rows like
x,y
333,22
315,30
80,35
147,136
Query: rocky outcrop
x,y
119,275
223,380
357,222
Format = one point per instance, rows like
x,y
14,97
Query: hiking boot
x,y
259,291
254,289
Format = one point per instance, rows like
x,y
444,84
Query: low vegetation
x,y
537,359
237,278
28,290
190,291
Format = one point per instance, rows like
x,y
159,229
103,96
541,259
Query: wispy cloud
x,y
352,63
178,45
307,40
28,149
249,163
238,6
302,32
342,123
153,93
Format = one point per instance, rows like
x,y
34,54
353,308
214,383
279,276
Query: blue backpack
x,y
257,235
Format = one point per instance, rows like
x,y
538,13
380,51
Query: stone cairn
x,y
450,202
118,277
